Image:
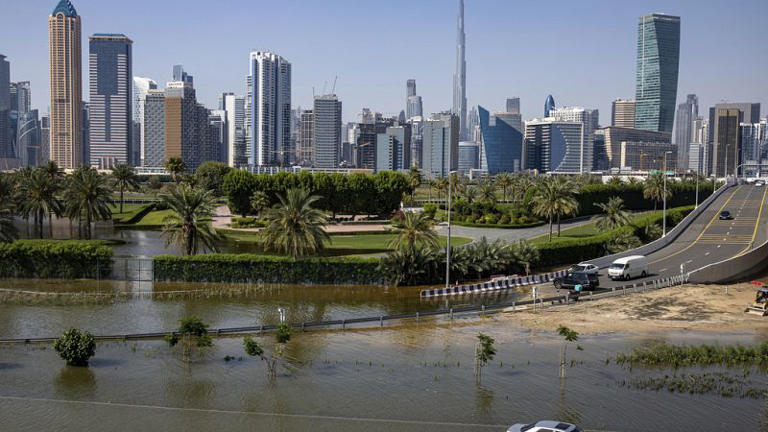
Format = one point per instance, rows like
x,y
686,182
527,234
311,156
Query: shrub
x,y
249,268
247,222
283,333
75,347
505,220
430,210
60,259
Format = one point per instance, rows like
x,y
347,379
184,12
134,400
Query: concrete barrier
x,y
672,235
737,269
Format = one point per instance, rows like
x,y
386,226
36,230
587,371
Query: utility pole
x,y
448,241
664,217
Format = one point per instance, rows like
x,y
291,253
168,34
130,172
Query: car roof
x,y
560,426
629,258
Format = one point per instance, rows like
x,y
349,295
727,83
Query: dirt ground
x,y
690,307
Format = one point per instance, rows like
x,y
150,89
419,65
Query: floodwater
x,y
417,377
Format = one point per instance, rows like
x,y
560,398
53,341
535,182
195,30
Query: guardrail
x,y
497,284
736,269
451,312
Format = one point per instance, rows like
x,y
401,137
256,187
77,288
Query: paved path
x,y
223,220
509,234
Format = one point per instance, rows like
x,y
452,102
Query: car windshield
x,y
617,266
578,268
527,427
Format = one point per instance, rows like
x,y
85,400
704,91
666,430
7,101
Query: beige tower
x,y
66,135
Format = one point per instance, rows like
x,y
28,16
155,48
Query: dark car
x,y
569,282
725,215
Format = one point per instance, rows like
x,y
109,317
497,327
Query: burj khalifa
x,y
460,77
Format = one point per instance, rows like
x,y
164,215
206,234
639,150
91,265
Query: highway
x,y
708,239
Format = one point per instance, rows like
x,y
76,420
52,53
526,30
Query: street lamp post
x,y
448,241
664,217
697,189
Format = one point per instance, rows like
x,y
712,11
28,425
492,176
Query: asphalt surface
x,y
710,240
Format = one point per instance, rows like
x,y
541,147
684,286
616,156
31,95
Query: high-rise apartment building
x,y
21,97
686,113
726,150
469,157
750,113
393,148
304,142
326,136
501,146
111,84
6,149
141,87
658,58
513,105
590,118
154,129
66,121
410,88
234,107
698,151
29,140
460,76
754,143
440,146
623,113
614,136
268,110
413,105
555,146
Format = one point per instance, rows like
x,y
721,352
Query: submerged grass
x,y
719,383
676,356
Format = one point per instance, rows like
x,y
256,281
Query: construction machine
x,y
760,305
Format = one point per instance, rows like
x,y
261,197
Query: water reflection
x,y
75,382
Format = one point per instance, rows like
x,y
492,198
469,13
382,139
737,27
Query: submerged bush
x,y
75,347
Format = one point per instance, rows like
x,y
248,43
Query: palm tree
x,y
614,214
259,201
294,226
8,231
615,180
410,267
504,181
566,202
654,189
125,178
470,194
441,184
414,180
622,241
37,196
554,199
189,224
526,254
176,167
487,191
414,228
53,170
87,197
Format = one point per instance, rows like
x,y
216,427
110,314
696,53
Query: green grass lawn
x,y
341,245
153,219
127,208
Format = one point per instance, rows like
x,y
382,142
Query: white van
x,y
628,268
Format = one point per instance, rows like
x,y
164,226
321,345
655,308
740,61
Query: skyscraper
x,y
658,57
440,146
513,105
154,129
66,122
268,110
234,106
686,113
28,141
111,116
623,113
304,134
393,148
6,151
549,105
21,97
460,77
501,148
726,150
410,88
141,87
554,146
326,135
587,117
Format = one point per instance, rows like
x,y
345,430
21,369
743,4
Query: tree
x,y
259,201
37,196
654,189
614,215
413,229
175,166
88,197
388,190
210,176
294,226
615,180
441,184
239,186
545,205
8,231
470,194
484,352
75,347
53,170
192,332
487,191
189,224
504,181
526,254
622,241
410,266
125,179
565,204
414,180
569,336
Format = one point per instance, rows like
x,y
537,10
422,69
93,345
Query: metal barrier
x,y
493,285
451,312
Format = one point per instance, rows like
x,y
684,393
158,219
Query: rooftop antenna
x,y
334,84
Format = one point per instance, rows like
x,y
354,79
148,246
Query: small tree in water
x,y
75,347
569,336
192,332
484,352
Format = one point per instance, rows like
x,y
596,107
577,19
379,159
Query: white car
x,y
545,426
759,183
584,268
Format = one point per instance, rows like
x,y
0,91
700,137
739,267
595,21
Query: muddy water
x,y
418,377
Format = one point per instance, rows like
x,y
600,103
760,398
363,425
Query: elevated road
x,y
710,240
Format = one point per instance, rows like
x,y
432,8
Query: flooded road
x,y
417,377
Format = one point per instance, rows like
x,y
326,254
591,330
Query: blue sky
x,y
583,53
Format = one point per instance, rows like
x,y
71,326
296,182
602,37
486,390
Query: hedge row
x,y
249,268
561,251
55,259
502,226
247,222
683,194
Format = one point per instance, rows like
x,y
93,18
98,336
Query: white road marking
x,y
706,254
689,261
663,270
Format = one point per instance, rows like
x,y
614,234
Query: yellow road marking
x,y
714,218
757,224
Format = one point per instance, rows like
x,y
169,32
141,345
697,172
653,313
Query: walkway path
x,y
508,234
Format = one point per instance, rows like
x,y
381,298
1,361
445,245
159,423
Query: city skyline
x,y
488,59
